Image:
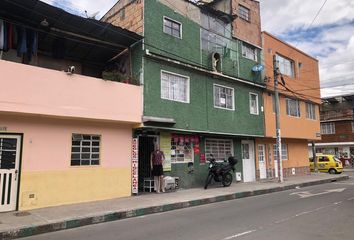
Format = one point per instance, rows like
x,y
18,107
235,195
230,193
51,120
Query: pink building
x,y
65,136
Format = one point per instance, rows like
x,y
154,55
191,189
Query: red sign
x,y
135,162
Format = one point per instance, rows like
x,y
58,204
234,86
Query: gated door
x,y
9,171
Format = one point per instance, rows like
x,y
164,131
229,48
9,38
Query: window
x,y
223,97
220,148
284,152
261,153
286,66
254,103
292,107
328,128
172,27
174,87
85,149
249,52
310,111
244,13
181,151
323,159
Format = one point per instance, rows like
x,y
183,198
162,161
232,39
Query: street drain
x,y
22,214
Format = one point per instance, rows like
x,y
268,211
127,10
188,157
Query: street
x,y
318,212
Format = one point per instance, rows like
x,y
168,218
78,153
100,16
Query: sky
x,y
329,37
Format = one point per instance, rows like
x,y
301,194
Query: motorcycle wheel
x,y
227,180
208,180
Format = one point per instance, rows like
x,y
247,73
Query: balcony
x,y
336,115
38,91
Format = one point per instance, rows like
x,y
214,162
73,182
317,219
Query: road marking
x,y
349,199
344,183
307,194
240,234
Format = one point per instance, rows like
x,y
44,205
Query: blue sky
x,y
330,38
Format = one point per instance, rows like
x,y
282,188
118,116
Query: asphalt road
x,y
318,212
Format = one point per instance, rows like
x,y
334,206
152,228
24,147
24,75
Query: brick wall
x,y
343,133
128,14
249,31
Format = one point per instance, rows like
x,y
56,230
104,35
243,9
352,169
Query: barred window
x,y
249,52
174,87
284,152
254,103
292,107
244,13
221,149
223,97
328,128
85,149
172,27
310,111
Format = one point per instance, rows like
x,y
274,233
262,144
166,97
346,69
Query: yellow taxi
x,y
327,163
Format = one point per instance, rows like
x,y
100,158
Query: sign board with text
x,y
135,162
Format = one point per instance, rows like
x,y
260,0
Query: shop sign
x,y
135,161
165,147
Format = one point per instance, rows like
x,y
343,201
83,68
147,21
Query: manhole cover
x,y
22,214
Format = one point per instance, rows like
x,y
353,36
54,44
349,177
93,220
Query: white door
x,y
248,162
262,162
9,171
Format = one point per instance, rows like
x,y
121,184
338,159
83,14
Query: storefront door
x,y
146,147
248,162
9,171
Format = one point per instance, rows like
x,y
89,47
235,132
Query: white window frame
x,y
172,21
328,128
249,52
288,108
178,75
310,111
218,157
250,102
286,66
244,13
233,97
78,137
284,152
261,152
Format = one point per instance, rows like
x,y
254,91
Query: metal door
x,y
248,162
9,171
262,162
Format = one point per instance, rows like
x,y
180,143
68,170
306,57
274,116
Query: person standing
x,y
156,160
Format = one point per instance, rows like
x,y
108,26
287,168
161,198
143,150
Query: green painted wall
x,y
185,48
199,114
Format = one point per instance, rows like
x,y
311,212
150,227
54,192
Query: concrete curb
x,y
113,216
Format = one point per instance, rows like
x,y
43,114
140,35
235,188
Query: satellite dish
x,y
258,68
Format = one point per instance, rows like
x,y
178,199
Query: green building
x,y
201,96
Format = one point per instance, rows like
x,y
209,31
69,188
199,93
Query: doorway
x,y
146,147
10,146
248,162
262,162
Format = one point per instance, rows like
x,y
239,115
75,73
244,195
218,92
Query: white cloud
x,y
333,40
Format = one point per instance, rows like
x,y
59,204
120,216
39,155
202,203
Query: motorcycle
x,y
220,172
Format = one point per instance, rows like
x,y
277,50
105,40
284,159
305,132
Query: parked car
x,y
327,163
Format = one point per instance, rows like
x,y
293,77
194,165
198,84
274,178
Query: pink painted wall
x,y
47,142
35,90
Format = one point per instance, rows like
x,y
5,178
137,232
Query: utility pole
x,y
314,157
277,119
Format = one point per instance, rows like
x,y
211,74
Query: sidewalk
x,y
22,224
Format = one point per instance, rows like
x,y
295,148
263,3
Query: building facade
x,y
337,126
201,96
299,99
65,128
